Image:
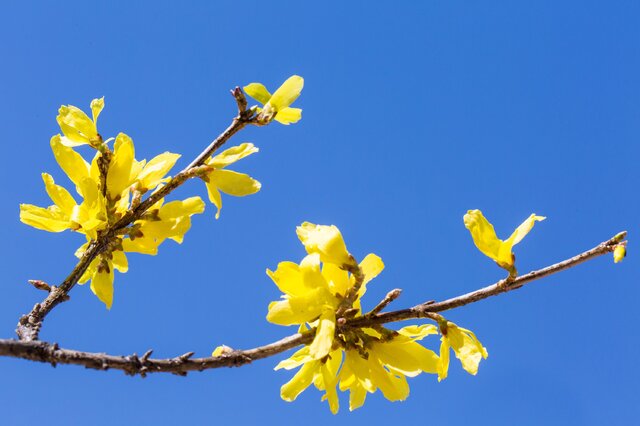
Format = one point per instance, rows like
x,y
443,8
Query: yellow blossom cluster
x,y
361,360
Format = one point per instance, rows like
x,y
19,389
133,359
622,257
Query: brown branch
x,y
29,324
181,365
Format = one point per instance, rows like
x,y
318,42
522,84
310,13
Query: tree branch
x,y
181,365
29,324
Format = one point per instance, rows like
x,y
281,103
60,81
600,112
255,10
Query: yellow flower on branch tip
x,y
466,346
123,167
276,106
619,253
77,127
327,242
485,239
230,182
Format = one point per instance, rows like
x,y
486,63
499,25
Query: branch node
x,y
390,297
146,356
184,357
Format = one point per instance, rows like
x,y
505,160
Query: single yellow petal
x,y
70,161
288,278
325,241
51,219
96,108
325,332
330,381
443,367
522,230
337,279
154,171
90,271
297,359
180,208
102,285
297,309
140,245
258,92
120,261
233,154
287,93
234,183
300,381
407,357
214,196
119,175
59,195
288,116
418,332
483,234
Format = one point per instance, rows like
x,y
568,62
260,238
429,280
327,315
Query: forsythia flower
x,y
101,206
327,242
619,253
466,346
228,181
77,127
485,239
276,106
373,358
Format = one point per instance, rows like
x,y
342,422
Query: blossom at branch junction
x,y
276,106
486,240
77,127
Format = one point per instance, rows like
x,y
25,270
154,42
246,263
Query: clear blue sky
x,y
414,112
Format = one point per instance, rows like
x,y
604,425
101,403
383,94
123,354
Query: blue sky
x,y
414,112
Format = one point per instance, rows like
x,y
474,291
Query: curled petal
x,y
258,92
233,154
287,93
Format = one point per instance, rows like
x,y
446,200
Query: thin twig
x,y
181,365
29,324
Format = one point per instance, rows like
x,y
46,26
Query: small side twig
x,y
390,297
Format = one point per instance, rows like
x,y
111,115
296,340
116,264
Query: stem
x,y
132,364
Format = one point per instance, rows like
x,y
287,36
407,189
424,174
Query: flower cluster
x,y
324,291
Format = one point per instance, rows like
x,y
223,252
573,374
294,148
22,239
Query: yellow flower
x,y
97,212
466,346
276,106
386,363
228,181
327,242
485,239
77,127
619,253
322,373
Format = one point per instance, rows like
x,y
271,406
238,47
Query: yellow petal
x,y
297,309
329,379
140,245
214,196
233,183
297,359
96,108
90,271
338,279
59,195
51,219
406,357
102,285
466,347
120,261
326,241
154,171
288,116
119,175
233,154
258,92
325,332
394,387
179,208
288,278
522,230
287,93
418,332
70,161
483,234
76,126
443,366
300,381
